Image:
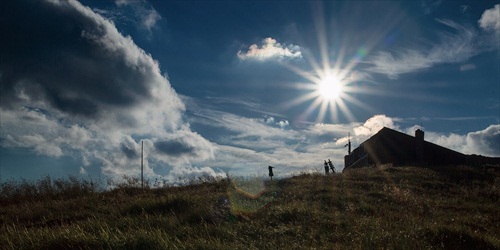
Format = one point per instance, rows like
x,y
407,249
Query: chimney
x,y
419,145
419,134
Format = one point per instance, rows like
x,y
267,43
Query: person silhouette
x,y
271,174
326,168
331,166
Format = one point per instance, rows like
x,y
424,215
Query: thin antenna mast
x,y
348,145
142,164
349,149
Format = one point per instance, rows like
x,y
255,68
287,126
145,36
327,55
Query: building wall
x,y
437,155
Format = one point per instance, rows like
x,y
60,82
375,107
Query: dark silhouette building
x,y
389,146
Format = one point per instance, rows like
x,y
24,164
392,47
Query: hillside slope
x,y
367,208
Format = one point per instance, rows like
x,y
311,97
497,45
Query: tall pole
x,y
349,149
348,145
142,164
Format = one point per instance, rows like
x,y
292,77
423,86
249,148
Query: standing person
x,y
271,172
326,168
331,166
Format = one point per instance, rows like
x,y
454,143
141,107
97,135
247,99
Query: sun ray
x,y
305,74
312,107
299,100
333,111
321,33
346,111
322,112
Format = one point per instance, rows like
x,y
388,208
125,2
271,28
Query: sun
x,y
330,88
330,93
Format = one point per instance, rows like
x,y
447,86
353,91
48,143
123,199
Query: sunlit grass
x,y
386,207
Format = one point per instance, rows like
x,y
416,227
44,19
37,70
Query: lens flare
x,y
249,195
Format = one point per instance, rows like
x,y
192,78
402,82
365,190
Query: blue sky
x,y
215,87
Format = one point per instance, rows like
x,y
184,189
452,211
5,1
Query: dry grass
x,y
388,207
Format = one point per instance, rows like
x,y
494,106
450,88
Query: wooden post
x,y
271,174
142,164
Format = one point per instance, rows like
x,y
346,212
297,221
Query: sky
x,y
230,87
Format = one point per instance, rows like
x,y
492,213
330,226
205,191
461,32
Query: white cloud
x,y
243,126
456,47
184,174
374,124
490,20
270,120
269,50
483,142
330,129
283,123
486,141
451,48
452,141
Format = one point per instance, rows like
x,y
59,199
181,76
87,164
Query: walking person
x,y
327,171
271,174
331,166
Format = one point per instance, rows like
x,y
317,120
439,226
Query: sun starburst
x,y
329,87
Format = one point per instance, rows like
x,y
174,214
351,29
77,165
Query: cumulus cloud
x,y
270,50
451,140
483,142
490,20
486,141
374,124
72,84
282,123
451,48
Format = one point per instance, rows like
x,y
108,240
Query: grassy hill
x,y
385,207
